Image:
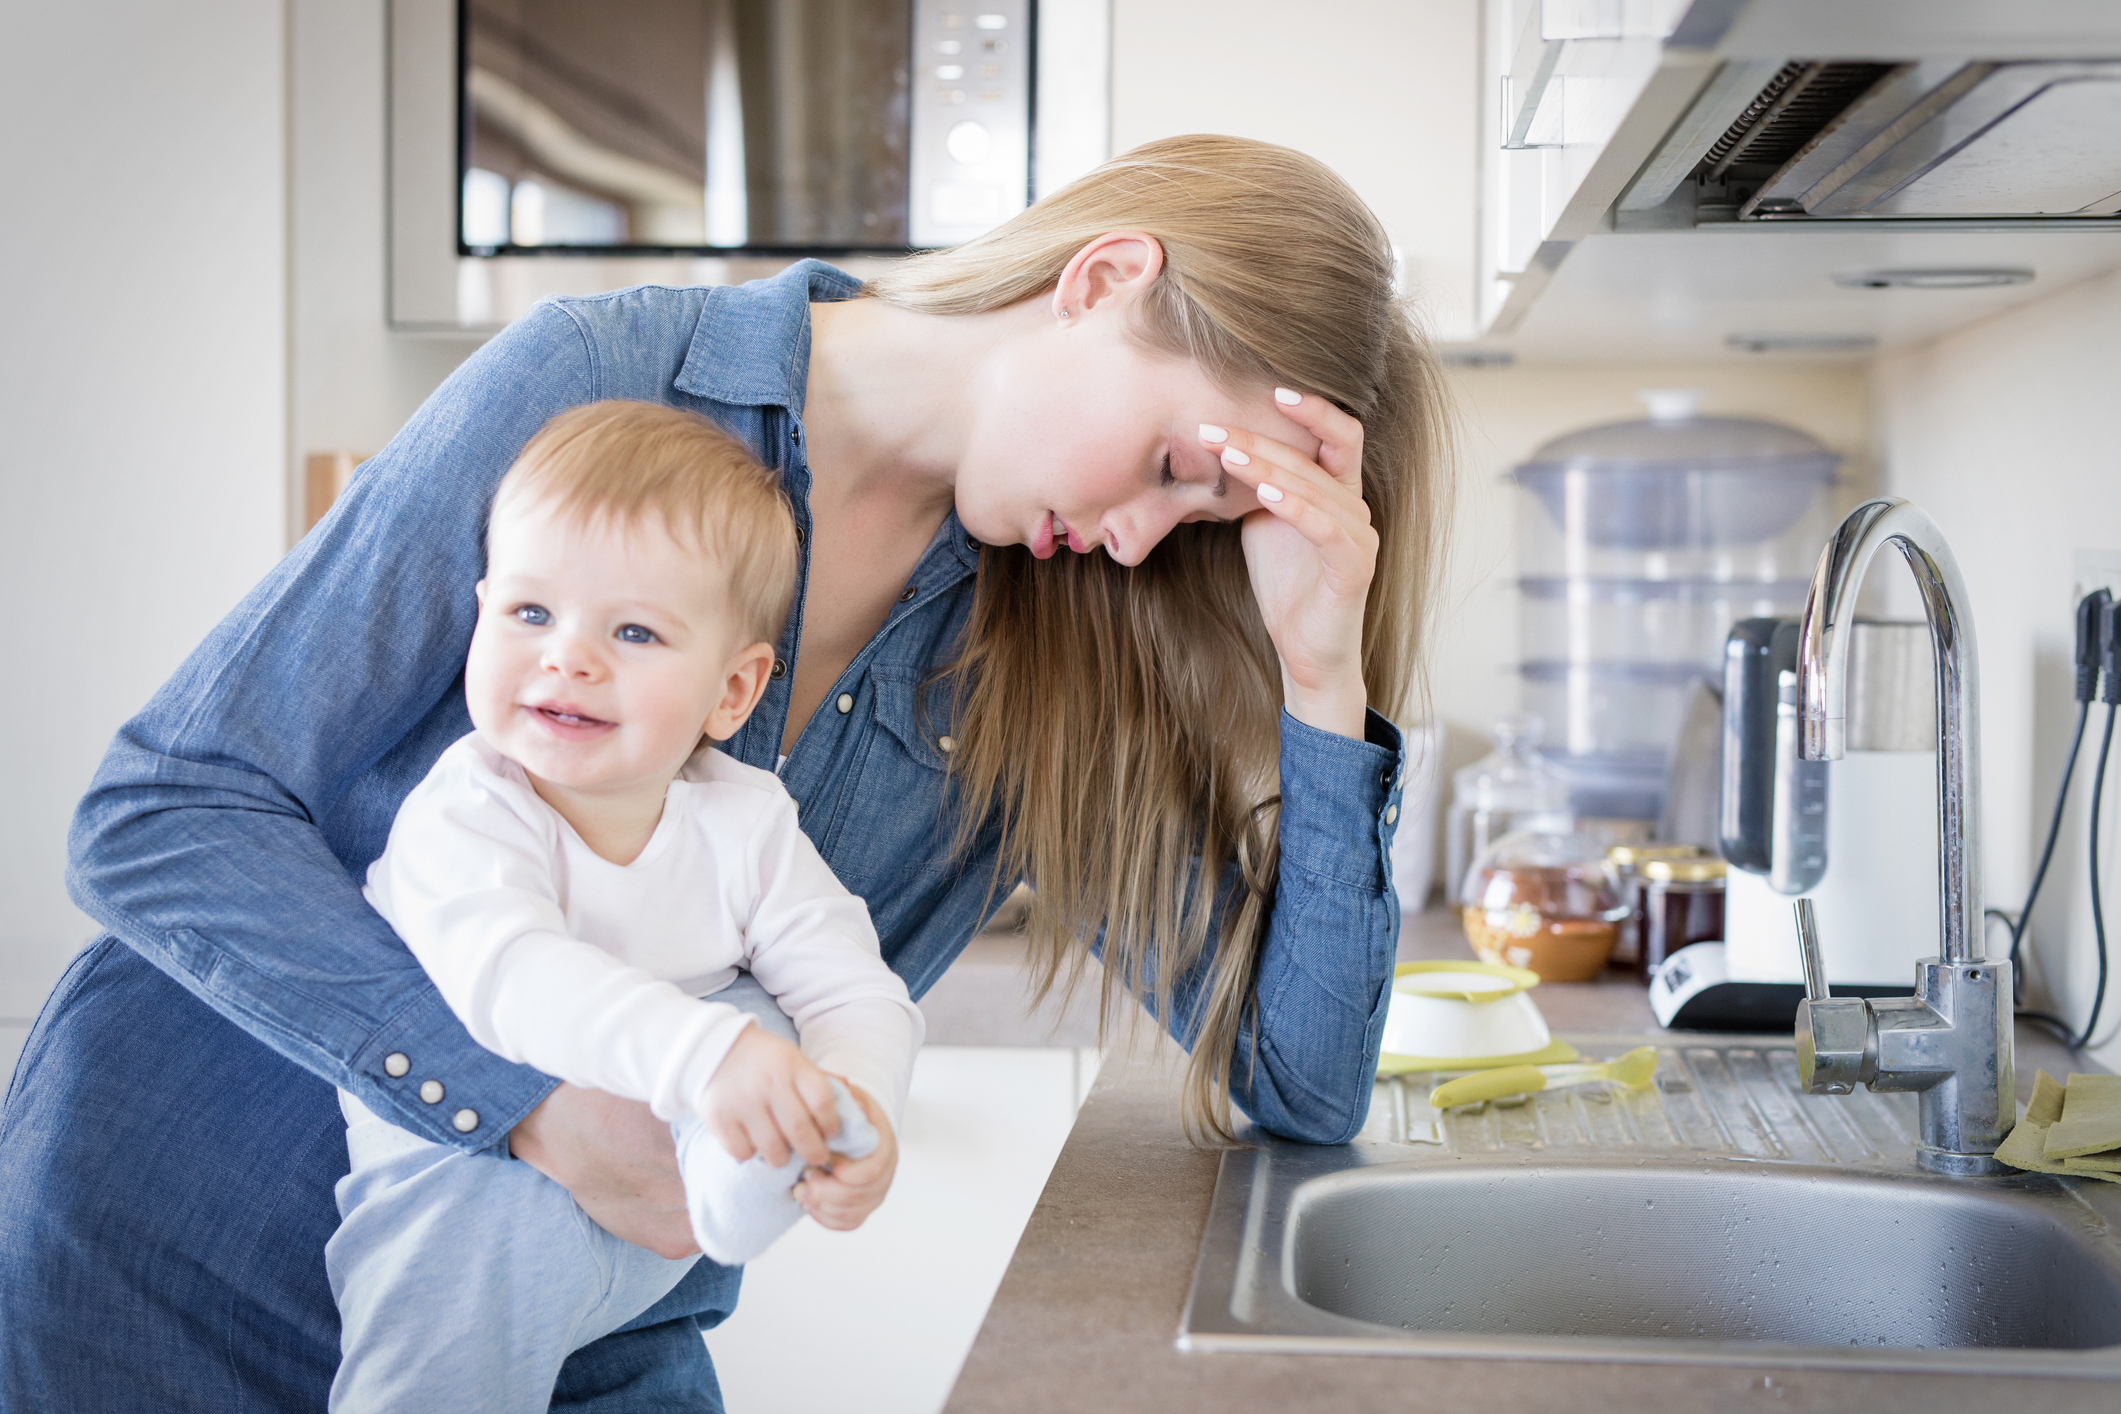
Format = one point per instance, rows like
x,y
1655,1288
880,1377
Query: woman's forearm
x,y
1326,964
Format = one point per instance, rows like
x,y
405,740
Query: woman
x,y
1190,361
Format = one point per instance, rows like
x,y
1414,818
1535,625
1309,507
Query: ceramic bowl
x,y
1446,1015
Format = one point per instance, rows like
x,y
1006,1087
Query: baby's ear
x,y
480,590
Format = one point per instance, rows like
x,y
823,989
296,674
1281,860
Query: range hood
x,y
1929,140
1727,177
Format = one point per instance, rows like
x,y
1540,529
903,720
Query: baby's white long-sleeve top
x,y
593,972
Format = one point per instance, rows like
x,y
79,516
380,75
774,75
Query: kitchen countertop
x,y
1087,1315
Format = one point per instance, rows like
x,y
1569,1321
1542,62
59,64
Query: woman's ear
x,y
743,684
1112,271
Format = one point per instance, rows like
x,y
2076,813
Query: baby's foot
x,y
738,1209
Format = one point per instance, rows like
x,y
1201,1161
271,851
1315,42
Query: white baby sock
x,y
738,1209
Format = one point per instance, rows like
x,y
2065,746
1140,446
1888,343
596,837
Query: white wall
x,y
142,388
1382,91
354,382
2006,432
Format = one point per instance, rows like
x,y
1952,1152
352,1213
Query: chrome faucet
x,y
1950,1041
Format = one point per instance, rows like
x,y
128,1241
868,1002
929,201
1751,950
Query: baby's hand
x,y
767,1099
842,1196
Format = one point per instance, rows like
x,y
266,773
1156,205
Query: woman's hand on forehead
x,y
1312,552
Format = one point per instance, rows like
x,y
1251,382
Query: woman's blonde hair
x,y
626,463
1122,725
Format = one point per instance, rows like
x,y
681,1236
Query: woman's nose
x,y
1132,531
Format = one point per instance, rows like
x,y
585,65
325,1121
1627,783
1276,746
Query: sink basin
x,y
1721,1216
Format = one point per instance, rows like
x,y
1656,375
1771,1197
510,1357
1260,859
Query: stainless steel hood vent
x,y
1950,140
1936,140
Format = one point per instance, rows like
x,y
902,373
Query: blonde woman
x,y
1117,531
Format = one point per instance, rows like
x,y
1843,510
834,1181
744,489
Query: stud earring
x,y
1064,314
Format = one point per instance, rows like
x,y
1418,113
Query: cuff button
x,y
1391,813
465,1121
431,1091
396,1064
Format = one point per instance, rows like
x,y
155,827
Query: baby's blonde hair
x,y
626,464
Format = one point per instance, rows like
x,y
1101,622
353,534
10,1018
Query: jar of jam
x,y
1623,863
1682,904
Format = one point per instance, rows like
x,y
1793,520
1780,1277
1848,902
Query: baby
x,y
583,877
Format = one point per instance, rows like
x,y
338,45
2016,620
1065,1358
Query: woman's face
x,y
1081,439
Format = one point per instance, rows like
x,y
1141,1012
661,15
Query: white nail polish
x,y
1236,458
1209,432
1287,398
1268,493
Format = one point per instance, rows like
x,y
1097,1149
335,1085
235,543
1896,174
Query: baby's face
x,y
600,651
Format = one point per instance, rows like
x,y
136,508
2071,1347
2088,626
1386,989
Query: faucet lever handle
x,y
1815,988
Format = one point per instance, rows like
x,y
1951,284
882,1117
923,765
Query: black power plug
x,y
2094,620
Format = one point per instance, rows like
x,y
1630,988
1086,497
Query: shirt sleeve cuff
x,y
477,1097
1336,795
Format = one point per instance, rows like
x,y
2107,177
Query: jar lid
x,y
1626,854
1685,871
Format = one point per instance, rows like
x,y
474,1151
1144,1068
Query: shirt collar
x,y
751,347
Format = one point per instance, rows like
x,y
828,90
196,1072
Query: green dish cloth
x,y
2091,1118
2025,1147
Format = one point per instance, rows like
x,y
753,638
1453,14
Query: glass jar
x,y
1511,788
1624,864
1682,904
1542,900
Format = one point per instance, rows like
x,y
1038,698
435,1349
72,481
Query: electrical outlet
x,y
2095,569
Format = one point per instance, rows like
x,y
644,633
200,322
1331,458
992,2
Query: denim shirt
x,y
228,829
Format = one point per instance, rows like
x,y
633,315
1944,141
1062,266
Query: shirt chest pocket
x,y
895,828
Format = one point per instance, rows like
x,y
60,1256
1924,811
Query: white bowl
x,y
1463,1011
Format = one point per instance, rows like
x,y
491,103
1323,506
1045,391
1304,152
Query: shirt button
x,y
1391,813
1384,778
431,1091
465,1121
799,535
905,596
780,667
845,702
947,743
396,1064
970,543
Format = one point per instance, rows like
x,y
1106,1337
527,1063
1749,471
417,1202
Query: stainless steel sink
x,y
1722,1216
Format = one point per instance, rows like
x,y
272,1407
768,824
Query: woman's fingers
x,y
1254,458
1339,435
1289,487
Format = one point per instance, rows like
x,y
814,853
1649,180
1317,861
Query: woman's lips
x,y
568,722
1051,533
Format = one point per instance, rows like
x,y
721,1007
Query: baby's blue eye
x,y
634,633
536,615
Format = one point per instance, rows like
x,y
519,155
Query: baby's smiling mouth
x,y
566,715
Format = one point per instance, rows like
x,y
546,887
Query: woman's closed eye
x,y
1168,477
536,615
636,633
